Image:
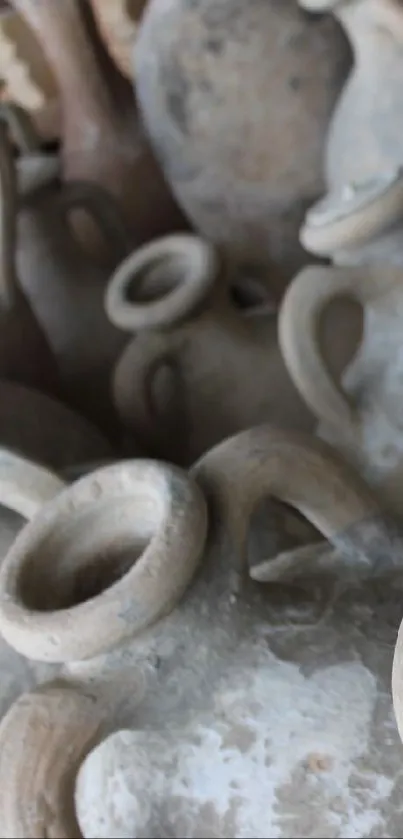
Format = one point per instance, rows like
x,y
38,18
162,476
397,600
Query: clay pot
x,y
24,354
102,140
236,98
118,25
117,567
361,216
363,415
64,283
211,369
43,739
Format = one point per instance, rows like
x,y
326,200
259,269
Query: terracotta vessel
x,y
133,550
236,98
43,739
361,216
24,353
102,140
211,369
63,282
118,25
363,415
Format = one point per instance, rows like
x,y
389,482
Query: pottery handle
x,y
103,209
161,283
155,419
303,305
25,486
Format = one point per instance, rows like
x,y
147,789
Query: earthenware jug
x,y
236,99
102,139
25,356
212,638
199,368
63,281
362,415
361,216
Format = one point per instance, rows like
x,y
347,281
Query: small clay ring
x,y
360,213
107,557
186,264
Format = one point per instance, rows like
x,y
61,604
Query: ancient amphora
x,y
200,368
63,281
25,356
236,99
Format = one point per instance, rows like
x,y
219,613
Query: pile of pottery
x,y
171,359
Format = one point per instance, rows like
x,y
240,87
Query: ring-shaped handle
x,y
186,262
360,213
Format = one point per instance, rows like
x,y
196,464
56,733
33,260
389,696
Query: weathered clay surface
x,y
362,416
297,751
236,99
210,370
102,138
271,710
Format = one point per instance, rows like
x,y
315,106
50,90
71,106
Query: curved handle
x,y
358,214
174,275
303,305
44,737
161,427
25,486
102,208
305,473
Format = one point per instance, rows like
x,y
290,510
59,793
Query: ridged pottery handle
x,y
102,208
25,486
161,283
358,214
303,304
44,738
101,562
307,474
